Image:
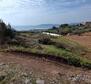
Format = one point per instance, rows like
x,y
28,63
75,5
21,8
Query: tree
x,y
64,25
10,32
54,27
6,32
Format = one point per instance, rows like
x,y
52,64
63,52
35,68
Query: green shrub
x,y
45,40
74,61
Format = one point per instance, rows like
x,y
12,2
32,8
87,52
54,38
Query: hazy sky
x,y
32,12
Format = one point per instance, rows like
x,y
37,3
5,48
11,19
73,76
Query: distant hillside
x,y
31,27
71,29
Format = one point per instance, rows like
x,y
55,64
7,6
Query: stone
x,y
39,81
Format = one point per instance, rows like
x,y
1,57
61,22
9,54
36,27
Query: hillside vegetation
x,y
53,47
45,45
71,29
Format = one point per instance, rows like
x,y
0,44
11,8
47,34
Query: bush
x,y
74,61
78,32
45,40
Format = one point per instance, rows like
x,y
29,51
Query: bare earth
x,y
45,69
84,39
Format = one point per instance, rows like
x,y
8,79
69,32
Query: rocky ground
x,y
13,74
18,68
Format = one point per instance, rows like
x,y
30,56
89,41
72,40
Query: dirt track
x,y
37,64
46,69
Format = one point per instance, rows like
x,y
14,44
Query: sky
x,y
33,12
